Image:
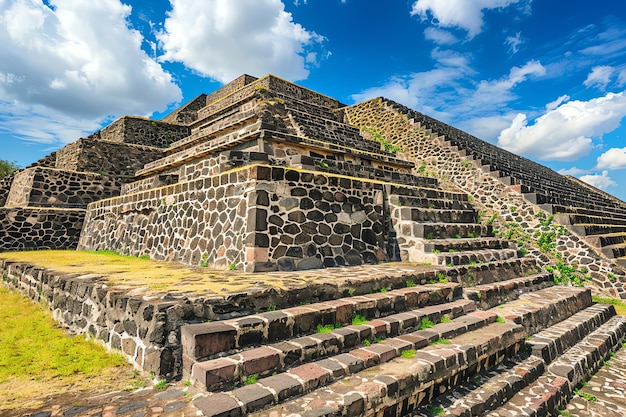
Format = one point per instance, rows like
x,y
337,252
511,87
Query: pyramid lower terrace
x,y
434,257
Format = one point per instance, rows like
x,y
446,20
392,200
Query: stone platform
x,y
391,338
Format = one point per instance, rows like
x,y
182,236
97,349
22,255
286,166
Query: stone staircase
x,y
585,210
422,350
442,228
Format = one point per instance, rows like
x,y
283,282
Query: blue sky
x,y
544,79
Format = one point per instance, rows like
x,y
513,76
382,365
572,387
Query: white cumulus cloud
x,y
72,63
614,158
80,58
601,181
223,39
464,14
565,133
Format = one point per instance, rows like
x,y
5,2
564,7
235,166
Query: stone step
x,y
597,229
221,373
605,391
302,379
185,155
471,257
607,239
459,245
613,212
335,148
430,193
205,340
418,214
584,219
486,391
541,309
614,251
553,390
425,202
400,385
450,230
359,171
233,121
490,272
494,294
554,341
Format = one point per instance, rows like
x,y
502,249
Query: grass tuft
x,y
358,319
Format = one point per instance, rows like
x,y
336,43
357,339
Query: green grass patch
x,y
408,354
32,345
437,411
441,341
445,319
588,397
426,323
251,379
620,306
325,329
38,359
358,319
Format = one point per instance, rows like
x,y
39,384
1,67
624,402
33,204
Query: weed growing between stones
x,y
588,397
408,353
426,323
410,284
441,341
437,411
358,319
378,137
568,274
327,328
205,261
445,319
251,379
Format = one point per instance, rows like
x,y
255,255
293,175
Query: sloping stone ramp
x,y
422,350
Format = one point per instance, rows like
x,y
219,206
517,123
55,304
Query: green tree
x,y
7,167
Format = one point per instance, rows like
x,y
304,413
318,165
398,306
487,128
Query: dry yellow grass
x,y
150,276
